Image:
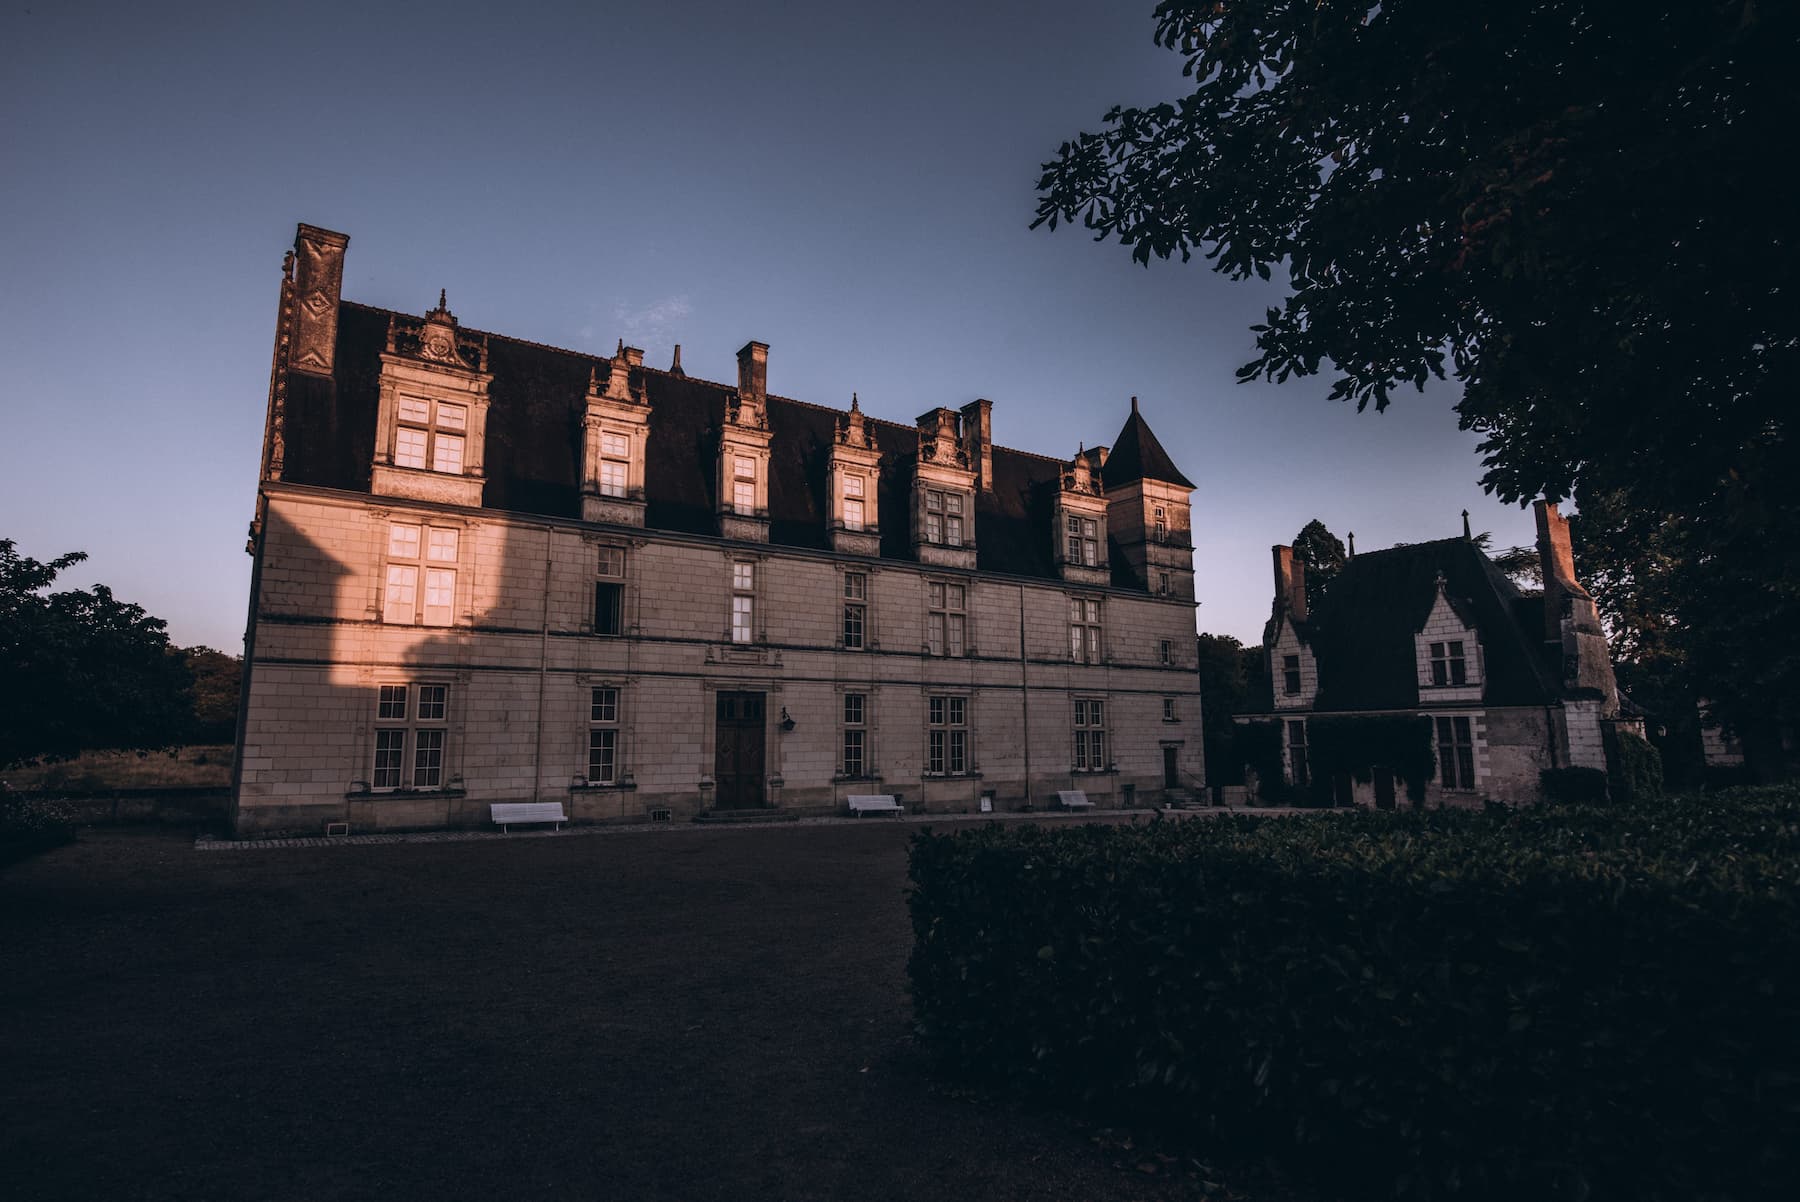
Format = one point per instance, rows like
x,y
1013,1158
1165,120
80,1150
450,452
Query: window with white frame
x,y
947,741
743,602
410,718
853,502
946,618
743,484
944,518
1448,664
421,575
1090,735
856,610
1084,630
603,736
609,592
855,742
615,464
1456,753
1297,763
1083,541
1162,525
430,434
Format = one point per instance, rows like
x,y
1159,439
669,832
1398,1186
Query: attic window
x,y
1290,675
1084,541
1448,665
430,433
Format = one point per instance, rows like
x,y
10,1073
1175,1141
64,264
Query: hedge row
x,y
1550,1003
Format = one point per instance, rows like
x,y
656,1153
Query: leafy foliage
x,y
1573,207
29,825
1573,784
1634,768
1358,744
82,668
1555,1002
1323,554
1230,674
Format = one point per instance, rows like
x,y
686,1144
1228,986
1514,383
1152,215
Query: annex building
x,y
489,570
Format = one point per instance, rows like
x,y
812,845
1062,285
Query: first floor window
x,y
946,620
609,605
1456,753
420,586
1090,735
1297,752
1169,710
743,602
947,749
1448,664
1084,630
855,734
856,593
1167,653
603,736
410,717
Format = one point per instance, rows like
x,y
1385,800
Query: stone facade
x,y
645,629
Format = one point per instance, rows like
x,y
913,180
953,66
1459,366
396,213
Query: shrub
x,y
1542,1003
29,825
1358,744
1573,784
1634,768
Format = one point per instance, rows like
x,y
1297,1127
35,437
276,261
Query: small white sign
x,y
987,805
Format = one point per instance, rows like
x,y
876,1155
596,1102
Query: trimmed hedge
x,y
1359,743
1539,1003
1573,785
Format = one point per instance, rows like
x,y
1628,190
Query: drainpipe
x,y
537,765
1025,695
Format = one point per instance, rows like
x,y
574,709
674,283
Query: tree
x,y
1573,207
1323,554
82,669
1230,676
213,698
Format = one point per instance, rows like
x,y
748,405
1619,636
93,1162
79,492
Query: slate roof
x,y
1362,632
1136,455
534,445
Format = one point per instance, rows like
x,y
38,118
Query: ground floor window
x,y
854,761
1456,753
603,736
947,744
1297,753
410,717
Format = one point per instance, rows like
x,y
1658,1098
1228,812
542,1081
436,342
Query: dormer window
x,y
430,434
943,518
743,485
1084,541
853,502
1448,664
615,464
1290,675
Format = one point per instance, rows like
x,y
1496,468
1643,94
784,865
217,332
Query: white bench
x,y
505,813
873,803
1074,799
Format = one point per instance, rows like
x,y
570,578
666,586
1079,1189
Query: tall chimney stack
x,y
318,287
753,373
978,440
1290,583
1558,560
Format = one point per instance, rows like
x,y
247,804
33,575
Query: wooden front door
x,y
1171,768
738,755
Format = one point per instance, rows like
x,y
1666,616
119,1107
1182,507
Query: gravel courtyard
x,y
679,1013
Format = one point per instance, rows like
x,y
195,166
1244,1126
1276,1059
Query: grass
x,y
657,1014
98,771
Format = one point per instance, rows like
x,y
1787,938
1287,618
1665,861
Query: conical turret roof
x,y
1136,455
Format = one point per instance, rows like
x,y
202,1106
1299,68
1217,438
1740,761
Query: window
x,y
743,484
946,621
1084,630
1448,665
609,592
856,596
1162,525
615,464
1090,735
1456,753
947,748
1162,584
420,725
1168,653
430,432
418,553
1169,710
743,602
944,518
1290,675
603,736
855,735
1297,752
1084,541
853,502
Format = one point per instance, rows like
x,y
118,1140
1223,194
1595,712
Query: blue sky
x,y
849,184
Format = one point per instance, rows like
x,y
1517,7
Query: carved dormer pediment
x,y
940,439
438,339
853,430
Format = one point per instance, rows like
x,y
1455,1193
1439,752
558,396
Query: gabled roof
x,y
534,445
1136,455
1362,631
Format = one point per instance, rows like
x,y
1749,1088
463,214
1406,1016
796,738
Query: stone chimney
x,y
1558,559
978,440
1290,583
318,287
753,373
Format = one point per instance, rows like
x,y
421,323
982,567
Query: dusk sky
x,y
851,185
